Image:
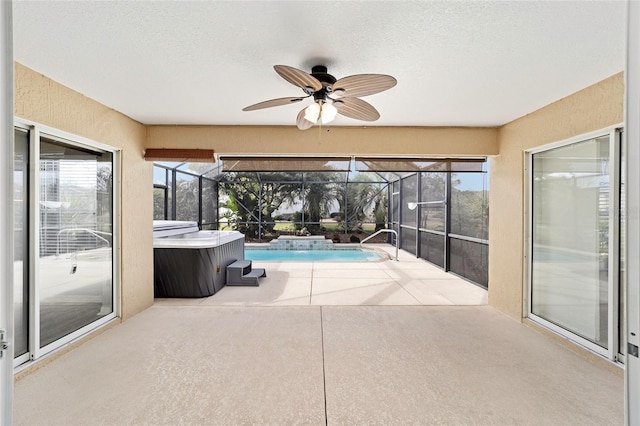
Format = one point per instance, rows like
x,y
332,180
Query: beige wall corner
x,y
288,140
44,101
593,108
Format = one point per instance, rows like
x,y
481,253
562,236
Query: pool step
x,y
240,272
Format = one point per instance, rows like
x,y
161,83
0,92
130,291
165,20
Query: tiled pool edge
x,y
289,242
383,255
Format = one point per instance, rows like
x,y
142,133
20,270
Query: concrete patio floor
x,y
409,281
314,345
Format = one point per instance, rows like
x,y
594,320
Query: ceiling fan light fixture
x,y
328,113
312,112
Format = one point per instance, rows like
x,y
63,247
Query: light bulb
x,y
312,113
328,113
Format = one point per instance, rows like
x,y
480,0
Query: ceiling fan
x,y
331,96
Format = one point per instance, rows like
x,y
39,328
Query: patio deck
x,y
410,281
313,345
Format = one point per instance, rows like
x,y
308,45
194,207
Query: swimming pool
x,y
335,255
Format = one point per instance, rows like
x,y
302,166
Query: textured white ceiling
x,y
457,63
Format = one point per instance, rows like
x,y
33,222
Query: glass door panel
x,y
75,261
622,280
21,242
570,236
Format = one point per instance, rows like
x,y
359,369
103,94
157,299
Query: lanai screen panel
x,y
381,164
288,164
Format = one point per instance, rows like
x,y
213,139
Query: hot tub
x,y
192,263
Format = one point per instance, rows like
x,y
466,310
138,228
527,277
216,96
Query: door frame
x,y
6,210
632,270
35,132
613,314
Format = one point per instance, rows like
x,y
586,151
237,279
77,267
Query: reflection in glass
x,y
76,227
570,232
21,243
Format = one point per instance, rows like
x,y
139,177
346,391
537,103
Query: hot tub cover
x,y
164,228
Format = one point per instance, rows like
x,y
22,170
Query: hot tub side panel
x,y
183,272
194,272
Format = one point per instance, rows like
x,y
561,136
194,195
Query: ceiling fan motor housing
x,y
327,80
320,73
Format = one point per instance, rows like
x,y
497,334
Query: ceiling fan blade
x,y
362,85
273,103
303,123
356,108
299,78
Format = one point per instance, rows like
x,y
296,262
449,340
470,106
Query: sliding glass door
x,y
75,238
574,240
64,262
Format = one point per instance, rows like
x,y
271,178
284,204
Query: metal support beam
x,y
260,212
447,223
200,215
400,209
174,193
418,212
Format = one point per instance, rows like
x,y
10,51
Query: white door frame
x,y
632,133
6,210
613,132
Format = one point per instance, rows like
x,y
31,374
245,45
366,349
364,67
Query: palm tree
x,y
319,197
366,200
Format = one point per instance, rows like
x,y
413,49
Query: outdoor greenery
x,y
469,213
244,192
266,204
330,204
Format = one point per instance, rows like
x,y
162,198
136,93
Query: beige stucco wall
x,y
256,140
590,109
42,100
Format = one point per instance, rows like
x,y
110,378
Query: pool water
x,y
337,255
